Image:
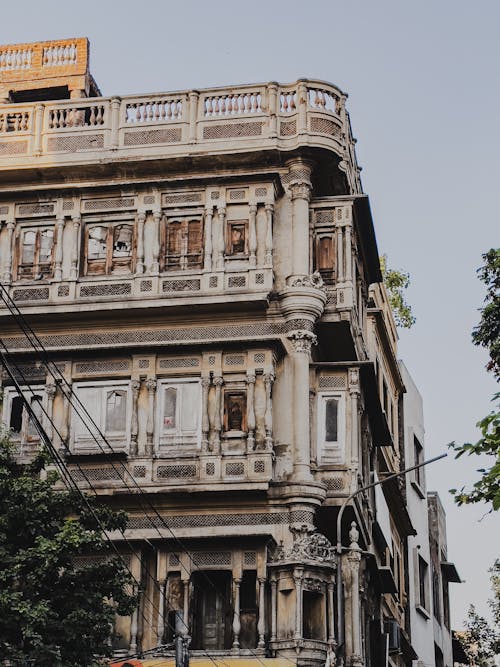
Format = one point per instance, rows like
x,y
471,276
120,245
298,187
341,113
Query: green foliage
x,y
396,283
480,639
486,334
53,611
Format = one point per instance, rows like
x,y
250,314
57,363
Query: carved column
x,y
134,626
205,424
185,606
331,615
273,102
268,415
59,249
66,418
193,115
75,246
340,254
207,265
161,612
297,577
218,382
155,264
134,426
139,267
354,392
302,342
348,253
50,391
261,624
354,558
38,128
274,606
252,235
268,260
236,616
250,412
300,192
7,269
221,244
151,387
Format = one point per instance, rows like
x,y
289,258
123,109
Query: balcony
x,y
187,123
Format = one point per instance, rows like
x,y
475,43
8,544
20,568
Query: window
x,y
179,409
237,237
109,248
235,418
314,626
418,473
16,417
325,257
36,249
436,598
108,404
183,244
330,428
422,593
248,609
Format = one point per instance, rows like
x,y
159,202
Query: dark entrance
x,y
212,612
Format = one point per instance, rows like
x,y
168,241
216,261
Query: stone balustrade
x,y
74,131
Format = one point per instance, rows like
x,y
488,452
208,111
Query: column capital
x,y
50,390
151,385
218,381
135,385
300,190
302,340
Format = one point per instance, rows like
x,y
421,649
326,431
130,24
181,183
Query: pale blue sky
x,y
423,84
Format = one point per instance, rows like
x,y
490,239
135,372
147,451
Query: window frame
x,y
418,475
87,445
184,218
20,266
190,441
330,452
23,438
422,585
112,266
244,222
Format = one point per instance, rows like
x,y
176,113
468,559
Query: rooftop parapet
x,y
58,69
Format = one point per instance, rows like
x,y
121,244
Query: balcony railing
x,y
75,130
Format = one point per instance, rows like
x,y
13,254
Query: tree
x,y
396,283
486,334
52,610
480,639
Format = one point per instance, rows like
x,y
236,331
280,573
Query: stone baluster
x,y
50,391
151,387
161,612
269,235
205,423
252,235
193,115
302,342
251,412
268,415
272,96
274,607
236,615
139,267
155,264
354,558
300,192
59,249
302,107
115,122
134,626
340,254
75,246
297,577
134,426
38,129
7,269
261,624
218,382
207,265
221,245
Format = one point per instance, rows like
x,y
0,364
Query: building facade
x,y
202,272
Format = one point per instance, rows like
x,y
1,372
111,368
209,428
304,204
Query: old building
x,y
219,358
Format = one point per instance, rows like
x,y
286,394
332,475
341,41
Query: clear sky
x,y
424,98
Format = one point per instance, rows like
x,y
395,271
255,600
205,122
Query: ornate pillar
x,y
354,392
185,606
205,424
50,391
7,269
300,192
250,412
236,616
155,264
66,418
340,254
274,606
268,260
218,382
348,253
302,342
207,264
297,577
268,415
272,96
252,235
354,558
75,247
139,267
331,615
161,612
134,626
221,244
261,624
59,249
38,128
151,387
193,115
134,426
